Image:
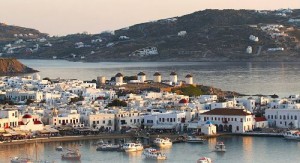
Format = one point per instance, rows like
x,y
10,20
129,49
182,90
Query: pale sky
x,y
61,17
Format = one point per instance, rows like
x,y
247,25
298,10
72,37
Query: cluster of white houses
x,y
52,109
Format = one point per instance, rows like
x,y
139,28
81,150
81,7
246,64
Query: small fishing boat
x,y
220,147
292,134
59,148
71,155
154,154
163,142
193,139
204,160
132,147
108,147
21,160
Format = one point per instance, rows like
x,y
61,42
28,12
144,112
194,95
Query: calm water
x,y
249,78
239,150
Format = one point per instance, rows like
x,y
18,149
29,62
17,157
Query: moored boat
x,y
193,139
71,155
220,147
204,160
154,154
163,142
132,147
292,134
108,147
59,148
21,160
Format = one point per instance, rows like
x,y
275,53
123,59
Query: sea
x,y
251,78
239,150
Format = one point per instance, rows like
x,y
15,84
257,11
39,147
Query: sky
x,y
62,17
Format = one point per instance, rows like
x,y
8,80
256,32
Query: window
x,y
97,122
167,119
235,119
94,122
218,119
241,120
283,117
291,117
215,118
237,128
295,117
103,122
280,117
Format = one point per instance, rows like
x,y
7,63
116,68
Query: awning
x,y
163,127
193,126
52,130
44,131
6,135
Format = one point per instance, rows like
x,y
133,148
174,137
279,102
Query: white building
x,y
249,50
167,120
229,120
30,123
23,95
128,119
189,79
182,33
9,118
157,77
71,118
173,77
283,118
119,79
141,77
101,121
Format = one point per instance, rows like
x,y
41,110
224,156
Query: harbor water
x,y
240,149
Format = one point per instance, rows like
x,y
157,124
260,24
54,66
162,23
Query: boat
x,y
100,142
193,139
153,153
21,160
163,142
220,147
132,147
59,148
292,134
204,160
71,155
108,147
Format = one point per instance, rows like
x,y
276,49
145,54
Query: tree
x,y
76,99
29,101
117,102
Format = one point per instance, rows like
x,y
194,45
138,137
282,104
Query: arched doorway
x,y
225,128
220,128
230,128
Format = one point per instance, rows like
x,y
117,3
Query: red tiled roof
x,y
20,123
259,119
27,116
227,111
37,122
183,101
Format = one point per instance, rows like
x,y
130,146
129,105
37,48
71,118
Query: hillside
x,y
209,35
13,66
